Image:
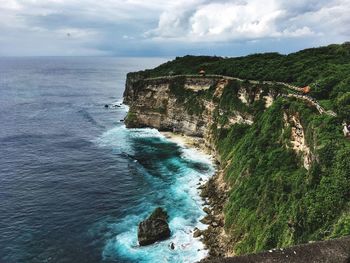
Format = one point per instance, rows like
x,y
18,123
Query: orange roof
x,y
306,89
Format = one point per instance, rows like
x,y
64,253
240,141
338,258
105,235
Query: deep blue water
x,y
74,182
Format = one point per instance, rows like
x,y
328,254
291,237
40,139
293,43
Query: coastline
x,y
188,142
214,195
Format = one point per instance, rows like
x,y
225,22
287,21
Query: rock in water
x,y
154,228
197,232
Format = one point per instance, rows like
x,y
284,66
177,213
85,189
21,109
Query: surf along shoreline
x,y
214,193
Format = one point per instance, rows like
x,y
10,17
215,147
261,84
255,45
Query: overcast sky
x,y
169,28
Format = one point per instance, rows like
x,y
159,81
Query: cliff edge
x,y
284,164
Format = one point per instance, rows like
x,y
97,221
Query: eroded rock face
x,y
153,103
298,138
153,229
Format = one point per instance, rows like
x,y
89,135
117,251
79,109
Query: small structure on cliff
x,y
202,72
306,89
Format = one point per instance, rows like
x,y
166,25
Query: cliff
x,y
285,164
190,104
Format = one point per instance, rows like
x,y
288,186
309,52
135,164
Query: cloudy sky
x,y
169,28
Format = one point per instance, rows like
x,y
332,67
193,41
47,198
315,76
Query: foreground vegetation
x,y
275,201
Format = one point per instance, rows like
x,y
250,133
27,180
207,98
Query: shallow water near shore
x,y
171,174
74,181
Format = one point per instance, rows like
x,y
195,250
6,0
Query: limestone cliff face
x,y
273,129
153,105
297,140
181,105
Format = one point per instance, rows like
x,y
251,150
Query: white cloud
x,y
252,19
108,25
221,21
299,32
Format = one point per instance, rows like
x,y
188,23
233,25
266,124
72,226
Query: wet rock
x,y
197,233
204,192
201,186
206,220
154,228
207,210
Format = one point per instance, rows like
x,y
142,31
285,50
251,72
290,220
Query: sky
x,y
169,28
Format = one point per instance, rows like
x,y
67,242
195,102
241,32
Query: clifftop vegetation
x,y
325,69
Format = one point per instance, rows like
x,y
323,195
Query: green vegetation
x,y
274,201
325,69
131,117
192,101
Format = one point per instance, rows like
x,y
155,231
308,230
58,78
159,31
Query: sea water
x,y
74,182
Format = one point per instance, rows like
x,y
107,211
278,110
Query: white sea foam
x,y
180,198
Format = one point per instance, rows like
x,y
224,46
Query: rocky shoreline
x,y
214,193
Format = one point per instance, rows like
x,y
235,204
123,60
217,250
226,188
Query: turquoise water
x,y
172,175
74,182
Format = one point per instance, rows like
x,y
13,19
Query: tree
x,y
343,106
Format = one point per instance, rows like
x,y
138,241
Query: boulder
x,y
154,228
197,233
206,220
207,210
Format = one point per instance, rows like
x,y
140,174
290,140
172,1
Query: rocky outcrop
x,y
167,105
152,104
162,103
153,229
297,138
215,192
196,106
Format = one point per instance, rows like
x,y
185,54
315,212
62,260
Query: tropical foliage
x,y
275,201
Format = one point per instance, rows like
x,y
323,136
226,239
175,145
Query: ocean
x,y
74,182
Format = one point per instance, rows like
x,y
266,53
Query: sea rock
x,y
206,220
154,228
207,210
201,186
204,192
197,233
